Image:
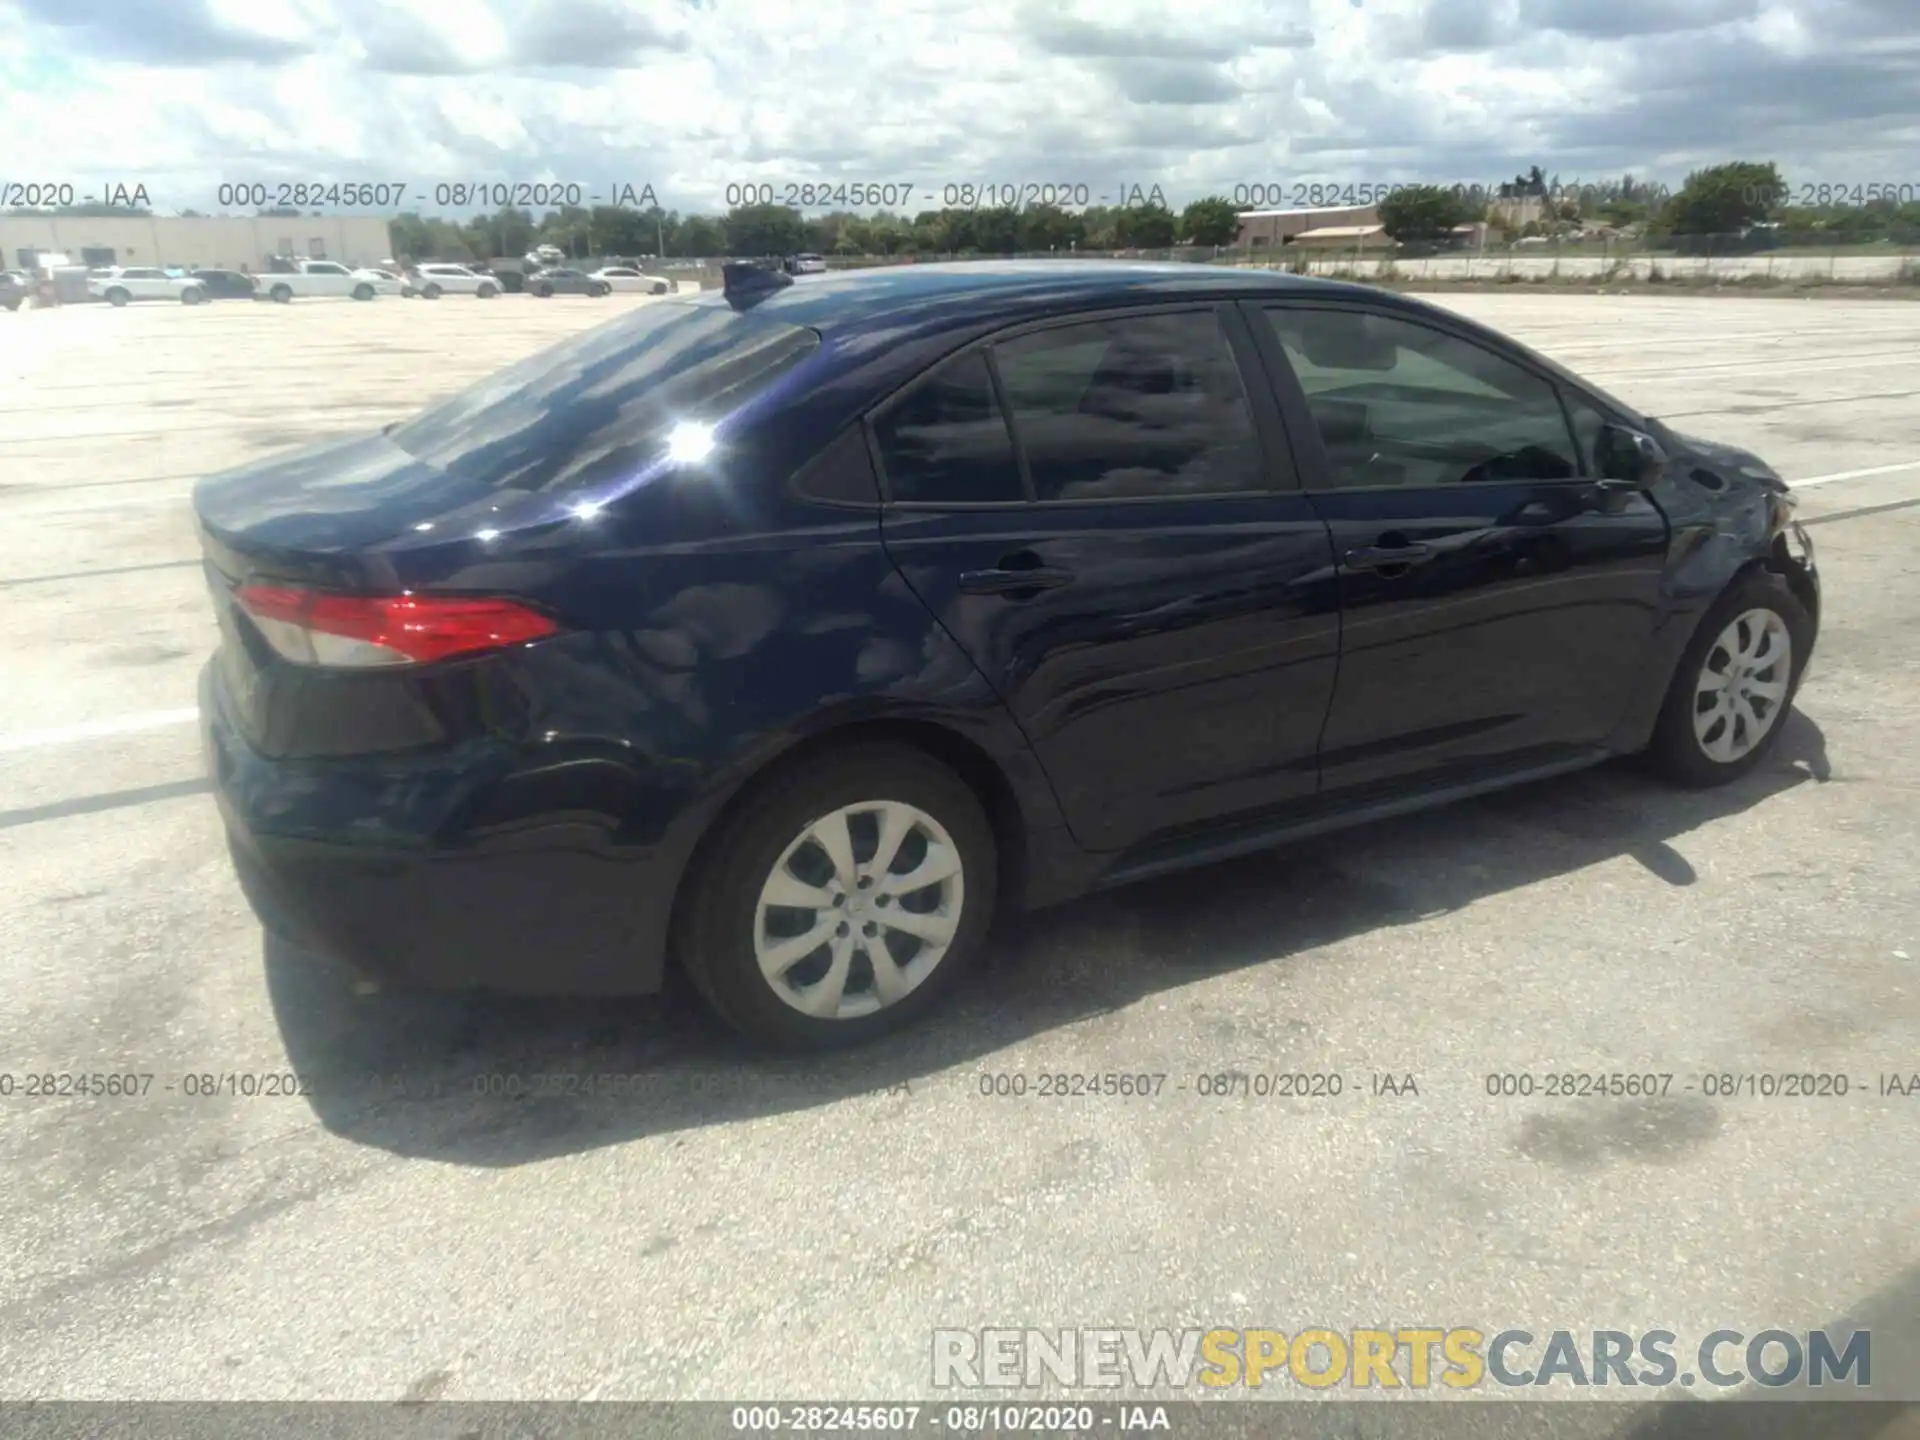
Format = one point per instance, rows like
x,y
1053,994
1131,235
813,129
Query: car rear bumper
x,y
553,910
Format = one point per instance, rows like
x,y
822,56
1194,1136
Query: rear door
x,y
1101,511
1497,596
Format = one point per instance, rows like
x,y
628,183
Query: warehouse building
x,y
225,242
1265,229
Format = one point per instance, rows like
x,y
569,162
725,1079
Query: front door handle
x,y
1012,581
1388,557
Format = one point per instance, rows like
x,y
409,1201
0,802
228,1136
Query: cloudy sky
x,y
691,95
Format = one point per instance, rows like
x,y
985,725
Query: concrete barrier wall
x,y
1858,269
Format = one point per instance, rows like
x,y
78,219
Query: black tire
x,y
431,292
1676,753
487,292
545,292
363,292
191,296
12,305
117,297
280,295
713,939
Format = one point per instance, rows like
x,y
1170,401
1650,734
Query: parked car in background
x,y
15,289
625,280
123,284
1061,576
315,279
438,278
228,284
384,282
562,280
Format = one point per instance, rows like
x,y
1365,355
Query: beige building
x,y
227,242
1262,229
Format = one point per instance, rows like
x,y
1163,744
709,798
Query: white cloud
x,y
692,96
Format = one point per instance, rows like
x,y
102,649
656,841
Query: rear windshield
x,y
605,398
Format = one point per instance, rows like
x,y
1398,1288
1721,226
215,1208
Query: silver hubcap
x,y
859,909
1743,685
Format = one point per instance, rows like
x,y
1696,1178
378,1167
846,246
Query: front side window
x,y
1136,407
1401,404
946,442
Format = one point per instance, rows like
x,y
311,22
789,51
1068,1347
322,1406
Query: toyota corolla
x,y
786,633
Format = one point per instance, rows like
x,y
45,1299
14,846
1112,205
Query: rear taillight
x,y
313,627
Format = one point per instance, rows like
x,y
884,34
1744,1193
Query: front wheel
x,y
431,292
843,900
487,292
1733,688
118,297
363,292
281,295
191,296
544,292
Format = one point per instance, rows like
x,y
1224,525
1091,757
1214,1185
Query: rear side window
x,y
946,442
607,399
1136,407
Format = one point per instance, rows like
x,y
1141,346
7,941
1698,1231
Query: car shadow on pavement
x,y
498,1081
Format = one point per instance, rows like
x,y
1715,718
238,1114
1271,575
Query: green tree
x,y
1049,228
701,236
1425,213
1724,199
1212,221
1145,227
755,230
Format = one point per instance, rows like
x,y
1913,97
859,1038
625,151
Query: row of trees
x,y
1722,201
779,230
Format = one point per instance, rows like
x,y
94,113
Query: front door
x,y
1497,597
1099,512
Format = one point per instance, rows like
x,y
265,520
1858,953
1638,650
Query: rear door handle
x,y
1005,582
1386,557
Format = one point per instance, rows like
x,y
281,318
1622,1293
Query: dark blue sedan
x,y
785,633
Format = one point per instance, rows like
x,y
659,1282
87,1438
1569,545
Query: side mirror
x,y
1629,455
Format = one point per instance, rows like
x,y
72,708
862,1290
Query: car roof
x,y
1007,291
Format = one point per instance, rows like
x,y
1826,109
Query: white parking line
x,y
1856,474
96,729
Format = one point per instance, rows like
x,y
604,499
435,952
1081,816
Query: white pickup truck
x,y
317,277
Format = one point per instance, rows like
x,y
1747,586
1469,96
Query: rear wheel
x,y
363,292
1734,686
545,292
431,292
191,296
281,295
117,296
842,901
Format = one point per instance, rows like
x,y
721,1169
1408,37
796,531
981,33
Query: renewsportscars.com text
x,y
1404,1357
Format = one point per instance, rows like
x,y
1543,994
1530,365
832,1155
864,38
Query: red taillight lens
x,y
312,627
